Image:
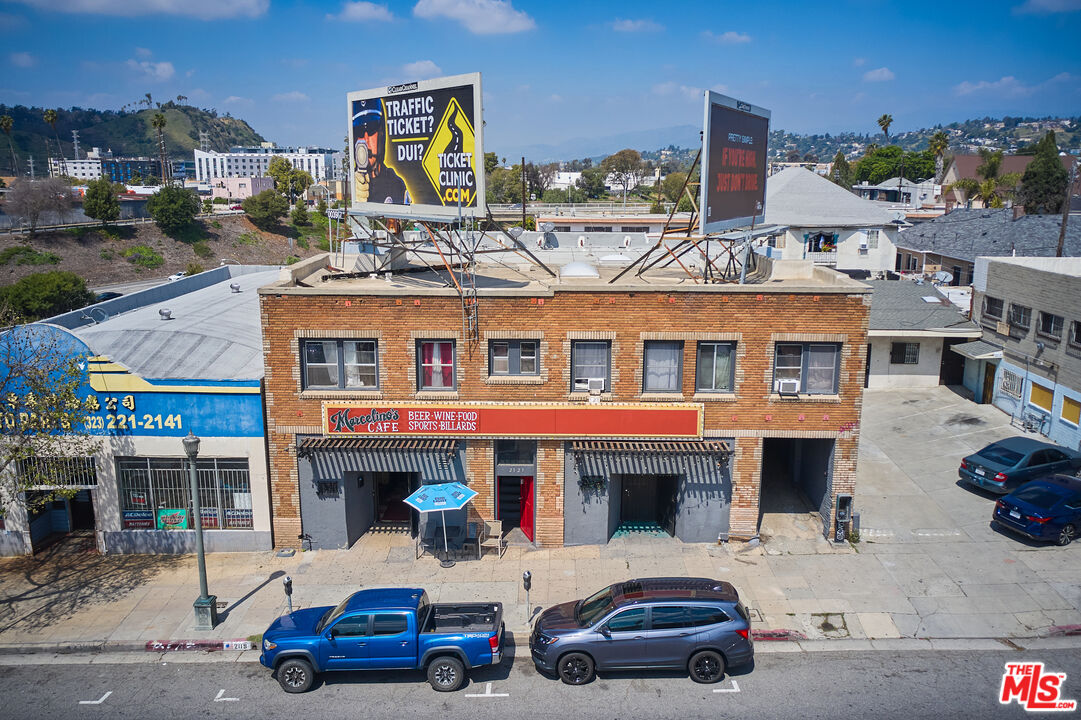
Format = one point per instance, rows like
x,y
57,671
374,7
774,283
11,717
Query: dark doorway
x,y
795,485
988,383
867,368
82,511
515,504
648,504
952,369
391,490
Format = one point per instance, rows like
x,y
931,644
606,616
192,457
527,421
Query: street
x,y
849,684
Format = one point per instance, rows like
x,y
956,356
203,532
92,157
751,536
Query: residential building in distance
x,y
965,166
900,192
827,224
1029,361
321,163
578,409
240,188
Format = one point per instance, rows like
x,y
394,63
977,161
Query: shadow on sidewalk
x,y
64,580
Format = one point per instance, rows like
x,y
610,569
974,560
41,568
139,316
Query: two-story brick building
x,y
577,409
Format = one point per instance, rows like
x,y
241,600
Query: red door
x,y
526,500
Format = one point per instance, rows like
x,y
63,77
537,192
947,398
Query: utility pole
x,y
1066,210
523,193
31,167
75,142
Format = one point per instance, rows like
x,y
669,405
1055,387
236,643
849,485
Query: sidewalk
x,y
929,565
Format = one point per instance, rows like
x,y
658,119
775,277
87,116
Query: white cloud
x,y
236,100
731,37
481,17
363,12
142,52
1008,86
153,71
859,62
668,89
882,74
1048,7
201,9
294,96
23,59
636,26
421,70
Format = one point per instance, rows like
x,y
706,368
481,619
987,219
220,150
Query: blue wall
x,y
1055,428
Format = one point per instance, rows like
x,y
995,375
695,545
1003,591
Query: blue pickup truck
x,y
385,629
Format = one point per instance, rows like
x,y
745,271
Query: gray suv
x,y
695,624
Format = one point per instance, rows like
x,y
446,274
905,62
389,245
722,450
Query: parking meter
x,y
527,582
844,514
287,582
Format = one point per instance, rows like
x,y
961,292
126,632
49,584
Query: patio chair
x,y
493,537
426,540
472,537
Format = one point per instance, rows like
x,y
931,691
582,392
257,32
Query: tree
x,y
881,164
673,186
28,200
42,385
993,188
884,122
173,208
279,169
938,144
792,156
299,181
300,215
266,208
626,169
158,123
50,118
101,202
491,162
321,207
539,177
7,124
1043,186
841,171
591,182
43,295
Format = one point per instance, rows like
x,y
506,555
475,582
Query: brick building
x,y
580,408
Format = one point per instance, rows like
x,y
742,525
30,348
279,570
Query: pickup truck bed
x,y
462,618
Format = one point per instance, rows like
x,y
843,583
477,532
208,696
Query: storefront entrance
x,y
796,474
515,504
391,513
647,504
60,518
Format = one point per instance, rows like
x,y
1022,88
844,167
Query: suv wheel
x,y
576,668
446,674
295,675
1066,535
706,666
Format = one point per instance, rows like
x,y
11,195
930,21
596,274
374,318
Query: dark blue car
x,y
1007,464
1048,509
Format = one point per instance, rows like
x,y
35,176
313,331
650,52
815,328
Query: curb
x,y
105,646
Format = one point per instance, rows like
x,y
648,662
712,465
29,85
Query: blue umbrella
x,y
441,497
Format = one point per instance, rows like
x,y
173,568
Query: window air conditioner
x,y
787,387
589,384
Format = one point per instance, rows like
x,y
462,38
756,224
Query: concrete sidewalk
x,y
928,565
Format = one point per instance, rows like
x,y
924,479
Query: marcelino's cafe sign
x,y
610,420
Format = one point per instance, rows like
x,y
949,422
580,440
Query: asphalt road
x,y
912,684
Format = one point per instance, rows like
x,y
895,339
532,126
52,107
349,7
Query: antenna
x,y
75,142
204,141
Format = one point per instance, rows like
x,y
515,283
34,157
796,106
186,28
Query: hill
x,y
126,133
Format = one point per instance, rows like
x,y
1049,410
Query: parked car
x,y
696,624
236,207
384,629
1048,509
1007,464
102,297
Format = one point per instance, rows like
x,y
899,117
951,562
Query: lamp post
x,y
206,605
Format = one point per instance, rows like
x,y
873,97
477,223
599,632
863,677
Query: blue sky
x,y
553,71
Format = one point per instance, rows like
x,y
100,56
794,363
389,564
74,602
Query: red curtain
x,y
427,351
446,351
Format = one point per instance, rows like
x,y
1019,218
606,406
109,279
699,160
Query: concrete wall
x,y
11,543
925,373
173,542
1054,427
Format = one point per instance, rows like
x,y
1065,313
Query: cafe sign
x,y
511,420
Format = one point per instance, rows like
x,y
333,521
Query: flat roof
x,y
1061,265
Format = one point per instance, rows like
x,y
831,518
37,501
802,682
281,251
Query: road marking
x,y
219,697
487,692
734,688
99,701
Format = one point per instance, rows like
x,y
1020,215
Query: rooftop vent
x,y
166,314
235,287
578,270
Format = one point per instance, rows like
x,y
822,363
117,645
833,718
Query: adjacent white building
x,y
89,169
321,163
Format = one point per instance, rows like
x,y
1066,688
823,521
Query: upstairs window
x,y
435,365
992,307
590,360
512,357
663,366
810,368
1020,315
1050,325
714,371
340,364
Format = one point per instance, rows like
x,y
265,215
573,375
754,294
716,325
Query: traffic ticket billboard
x,y
416,149
734,145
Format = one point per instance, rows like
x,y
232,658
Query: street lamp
x,y
206,605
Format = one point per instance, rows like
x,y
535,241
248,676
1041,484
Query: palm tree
x,y
6,124
884,122
49,116
938,144
158,123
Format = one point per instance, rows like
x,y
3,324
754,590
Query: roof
x,y
385,599
978,350
800,198
214,333
1069,266
899,305
679,447
966,234
966,164
673,588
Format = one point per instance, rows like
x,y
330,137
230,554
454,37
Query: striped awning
x,y
653,447
349,444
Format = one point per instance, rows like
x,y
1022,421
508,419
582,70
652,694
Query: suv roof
x,y
639,590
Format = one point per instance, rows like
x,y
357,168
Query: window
x,y
1020,315
341,364
512,357
662,366
435,364
632,620
669,617
992,307
806,367
715,365
1040,396
590,360
1075,332
147,485
598,228
904,353
1050,325
872,239
389,624
356,626
1011,384
634,228
701,616
1071,410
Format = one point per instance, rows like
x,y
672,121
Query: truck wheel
x,y
575,668
446,674
1066,535
706,666
295,675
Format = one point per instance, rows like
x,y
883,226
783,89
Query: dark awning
x,y
978,350
354,444
653,447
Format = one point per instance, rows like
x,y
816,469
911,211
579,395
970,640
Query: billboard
x,y
416,149
733,163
